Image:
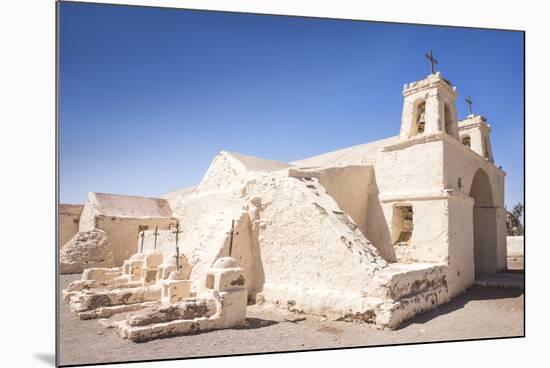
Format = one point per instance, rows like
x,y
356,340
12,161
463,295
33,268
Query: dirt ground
x,y
516,263
477,313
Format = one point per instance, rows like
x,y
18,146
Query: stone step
x,y
504,280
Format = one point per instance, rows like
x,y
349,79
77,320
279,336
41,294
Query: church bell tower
x,y
475,134
429,107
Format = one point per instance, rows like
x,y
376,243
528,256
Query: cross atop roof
x,y
432,61
470,103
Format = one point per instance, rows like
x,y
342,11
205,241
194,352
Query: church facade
x,y
377,232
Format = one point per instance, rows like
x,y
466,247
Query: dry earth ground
x,y
477,313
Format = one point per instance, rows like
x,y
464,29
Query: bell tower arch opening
x,y
485,224
419,125
477,132
428,108
466,140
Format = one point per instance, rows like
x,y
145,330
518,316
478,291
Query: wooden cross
x,y
142,237
177,231
232,232
156,233
432,61
470,103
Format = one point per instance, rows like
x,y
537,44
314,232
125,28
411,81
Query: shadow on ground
x,y
458,302
516,271
254,323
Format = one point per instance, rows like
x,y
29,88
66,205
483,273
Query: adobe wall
x,y
461,269
69,216
461,165
400,169
166,242
430,183
87,249
442,233
409,166
515,245
245,249
502,250
123,233
89,213
406,172
120,218
429,241
293,240
348,186
305,237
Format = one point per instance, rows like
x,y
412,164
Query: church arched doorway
x,y
485,224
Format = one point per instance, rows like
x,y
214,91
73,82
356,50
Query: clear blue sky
x,y
149,96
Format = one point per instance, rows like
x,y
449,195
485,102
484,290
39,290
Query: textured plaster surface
x,y
69,216
516,245
86,250
318,235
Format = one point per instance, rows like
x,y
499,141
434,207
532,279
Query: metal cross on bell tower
x,y
430,57
470,103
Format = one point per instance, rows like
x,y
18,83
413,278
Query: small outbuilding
x,y
123,218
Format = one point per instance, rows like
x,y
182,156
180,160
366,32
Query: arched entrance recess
x,y
485,224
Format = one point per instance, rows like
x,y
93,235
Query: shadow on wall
x,y
378,231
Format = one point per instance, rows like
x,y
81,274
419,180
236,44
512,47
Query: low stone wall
x,y
398,293
515,246
69,216
85,250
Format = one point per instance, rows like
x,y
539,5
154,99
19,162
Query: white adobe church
x,y
376,232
